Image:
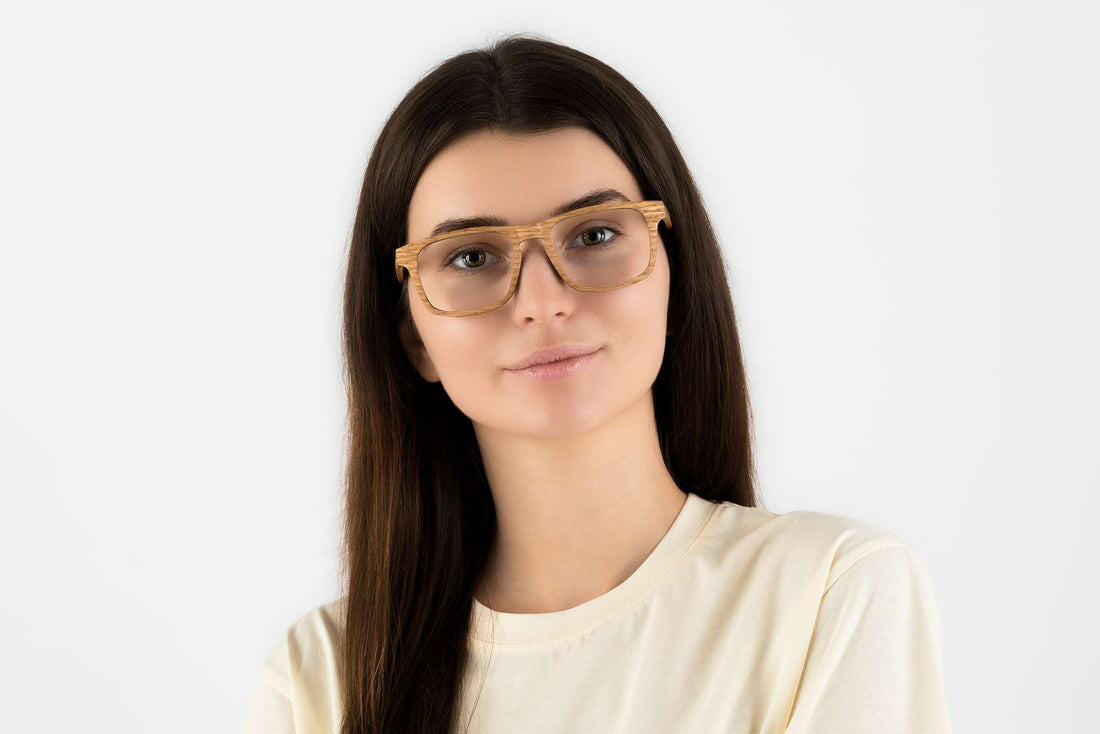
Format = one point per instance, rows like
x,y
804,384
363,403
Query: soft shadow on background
x,y
907,198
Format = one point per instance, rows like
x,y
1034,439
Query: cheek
x,y
465,353
458,350
645,305
470,375
650,321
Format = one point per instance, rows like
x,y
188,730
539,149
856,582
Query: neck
x,y
575,516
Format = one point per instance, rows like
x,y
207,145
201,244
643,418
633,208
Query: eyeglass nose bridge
x,y
543,233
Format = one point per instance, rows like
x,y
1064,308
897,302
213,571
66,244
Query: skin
x,y
581,490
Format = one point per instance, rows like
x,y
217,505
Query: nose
x,y
536,246
540,291
535,263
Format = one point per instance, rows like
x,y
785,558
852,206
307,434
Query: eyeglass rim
x,y
654,211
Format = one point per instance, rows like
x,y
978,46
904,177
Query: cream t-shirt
x,y
740,620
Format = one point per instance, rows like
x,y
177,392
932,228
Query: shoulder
x,y
864,566
301,674
846,541
817,547
321,623
307,648
871,631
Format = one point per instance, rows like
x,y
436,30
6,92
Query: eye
x,y
592,238
471,258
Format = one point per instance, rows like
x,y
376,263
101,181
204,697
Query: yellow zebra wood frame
x,y
654,211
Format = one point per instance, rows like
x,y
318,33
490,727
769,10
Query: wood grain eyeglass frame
x,y
654,211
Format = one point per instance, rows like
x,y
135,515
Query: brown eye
x,y
589,239
597,237
473,259
470,259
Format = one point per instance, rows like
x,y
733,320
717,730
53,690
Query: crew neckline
x,y
488,626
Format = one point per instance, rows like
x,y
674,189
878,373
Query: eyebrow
x,y
592,198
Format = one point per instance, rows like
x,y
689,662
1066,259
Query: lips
x,y
553,354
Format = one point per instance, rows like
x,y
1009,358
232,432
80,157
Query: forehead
x,y
521,179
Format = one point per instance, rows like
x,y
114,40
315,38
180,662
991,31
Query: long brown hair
x,y
419,517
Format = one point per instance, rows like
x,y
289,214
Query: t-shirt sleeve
x,y
874,662
268,710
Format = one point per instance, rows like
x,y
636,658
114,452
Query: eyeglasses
x,y
471,271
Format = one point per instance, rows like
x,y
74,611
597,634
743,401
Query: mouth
x,y
557,369
554,354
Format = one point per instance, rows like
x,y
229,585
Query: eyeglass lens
x,y
474,270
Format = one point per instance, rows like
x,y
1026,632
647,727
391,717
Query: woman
x,y
574,546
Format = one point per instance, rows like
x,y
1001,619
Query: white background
x,y
906,194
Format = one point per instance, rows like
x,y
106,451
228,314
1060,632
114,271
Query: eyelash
x,y
454,256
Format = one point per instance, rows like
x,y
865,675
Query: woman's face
x,y
524,180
